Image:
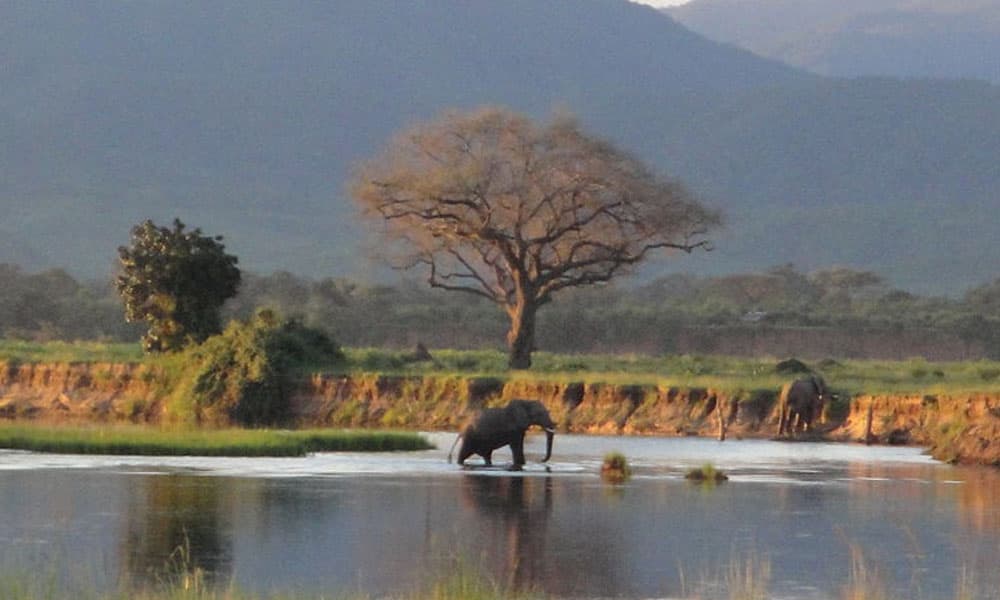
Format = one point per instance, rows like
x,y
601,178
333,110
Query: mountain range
x,y
245,119
949,39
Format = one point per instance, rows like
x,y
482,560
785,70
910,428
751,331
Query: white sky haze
x,y
661,3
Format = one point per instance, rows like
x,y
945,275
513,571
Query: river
x,y
384,523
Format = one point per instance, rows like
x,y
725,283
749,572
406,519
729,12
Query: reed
x,y
865,583
748,577
150,441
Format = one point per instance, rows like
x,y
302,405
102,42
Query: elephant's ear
x,y
519,415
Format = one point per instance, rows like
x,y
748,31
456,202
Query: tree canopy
x,y
176,281
496,205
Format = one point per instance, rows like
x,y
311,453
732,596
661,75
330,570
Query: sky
x,y
660,3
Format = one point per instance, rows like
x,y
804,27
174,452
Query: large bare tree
x,y
495,205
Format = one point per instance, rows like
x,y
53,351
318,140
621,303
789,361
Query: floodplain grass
x,y
724,373
24,351
154,441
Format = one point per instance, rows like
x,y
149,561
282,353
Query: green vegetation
x,y
615,468
246,374
734,374
25,351
831,309
150,441
176,282
706,473
687,371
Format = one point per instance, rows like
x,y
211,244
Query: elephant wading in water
x,y
496,427
801,404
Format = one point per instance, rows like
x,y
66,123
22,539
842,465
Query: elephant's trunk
x,y
550,433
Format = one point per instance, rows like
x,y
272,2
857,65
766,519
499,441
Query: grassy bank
x,y
683,371
689,371
61,352
150,441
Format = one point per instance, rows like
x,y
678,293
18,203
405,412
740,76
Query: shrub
x,y
989,374
244,375
791,366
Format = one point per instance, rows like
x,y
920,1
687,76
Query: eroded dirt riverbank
x,y
959,427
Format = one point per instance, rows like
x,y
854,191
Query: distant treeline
x,y
833,312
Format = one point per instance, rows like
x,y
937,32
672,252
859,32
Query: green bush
x,y
989,374
244,376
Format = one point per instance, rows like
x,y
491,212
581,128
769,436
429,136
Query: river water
x,y
388,523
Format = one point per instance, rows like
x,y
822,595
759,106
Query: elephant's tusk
x,y
549,429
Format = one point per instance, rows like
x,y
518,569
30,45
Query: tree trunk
x,y
521,337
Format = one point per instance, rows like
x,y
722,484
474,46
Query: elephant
x,y
496,427
801,404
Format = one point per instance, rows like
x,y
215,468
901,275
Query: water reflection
x,y
400,526
971,492
174,523
979,498
516,512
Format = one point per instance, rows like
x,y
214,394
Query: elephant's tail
x,y
783,409
453,444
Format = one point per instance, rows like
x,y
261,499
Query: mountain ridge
x,y
246,120
849,38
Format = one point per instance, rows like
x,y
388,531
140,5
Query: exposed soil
x,y
959,428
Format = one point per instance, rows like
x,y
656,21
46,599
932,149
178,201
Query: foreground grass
x,y
745,577
190,584
150,441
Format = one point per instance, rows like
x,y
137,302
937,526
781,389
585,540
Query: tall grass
x,y
865,583
748,577
151,441
181,579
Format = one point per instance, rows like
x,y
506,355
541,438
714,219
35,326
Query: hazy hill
x,y
902,38
244,119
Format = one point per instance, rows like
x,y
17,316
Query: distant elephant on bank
x,y
801,404
496,427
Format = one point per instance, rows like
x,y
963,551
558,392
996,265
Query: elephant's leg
x,y
487,457
517,448
465,451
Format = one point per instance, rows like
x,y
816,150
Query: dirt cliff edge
x,y
957,428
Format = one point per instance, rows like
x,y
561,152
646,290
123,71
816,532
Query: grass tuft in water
x,y
615,468
706,473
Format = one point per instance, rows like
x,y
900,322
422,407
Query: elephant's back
x,y
799,388
492,418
